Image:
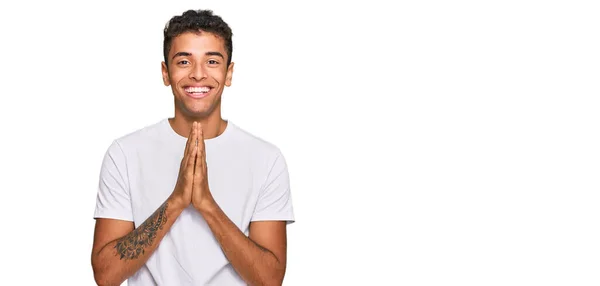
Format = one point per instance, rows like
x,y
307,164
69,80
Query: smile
x,y
197,91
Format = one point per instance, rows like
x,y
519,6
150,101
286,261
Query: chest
x,y
232,182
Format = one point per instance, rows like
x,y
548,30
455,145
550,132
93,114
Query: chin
x,y
198,112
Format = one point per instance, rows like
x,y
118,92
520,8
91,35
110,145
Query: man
x,y
193,199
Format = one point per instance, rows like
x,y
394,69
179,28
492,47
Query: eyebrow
x,y
181,54
186,54
215,54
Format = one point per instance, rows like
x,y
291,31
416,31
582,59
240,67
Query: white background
x,y
429,143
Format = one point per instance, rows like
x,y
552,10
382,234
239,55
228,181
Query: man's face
x,y
197,72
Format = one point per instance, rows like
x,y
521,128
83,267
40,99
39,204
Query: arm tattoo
x,y
133,244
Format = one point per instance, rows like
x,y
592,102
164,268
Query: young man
x,y
193,199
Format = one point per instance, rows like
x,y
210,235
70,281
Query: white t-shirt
x,y
247,177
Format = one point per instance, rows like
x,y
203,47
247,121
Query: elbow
x,y
100,278
273,282
276,279
100,282
102,275
104,280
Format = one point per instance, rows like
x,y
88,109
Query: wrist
x,y
176,204
207,205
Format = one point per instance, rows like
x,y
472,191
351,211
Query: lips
x,y
197,91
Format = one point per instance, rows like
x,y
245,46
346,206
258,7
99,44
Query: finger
x,y
191,163
190,145
190,139
200,139
201,161
202,165
198,164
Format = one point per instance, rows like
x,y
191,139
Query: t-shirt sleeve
x,y
275,200
113,200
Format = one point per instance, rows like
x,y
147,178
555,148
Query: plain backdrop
x,y
428,142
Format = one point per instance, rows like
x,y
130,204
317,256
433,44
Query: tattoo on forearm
x,y
132,245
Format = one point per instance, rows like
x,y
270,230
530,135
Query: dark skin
x,y
196,63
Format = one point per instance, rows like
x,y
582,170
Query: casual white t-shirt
x,y
247,177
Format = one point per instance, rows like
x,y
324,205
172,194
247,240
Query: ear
x,y
229,74
165,74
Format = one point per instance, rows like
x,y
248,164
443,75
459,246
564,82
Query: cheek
x,y
221,78
177,75
218,75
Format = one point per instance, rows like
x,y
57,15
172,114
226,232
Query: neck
x,y
212,125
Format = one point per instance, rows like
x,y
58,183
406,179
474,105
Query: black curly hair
x,y
195,21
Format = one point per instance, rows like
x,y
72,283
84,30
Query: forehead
x,y
200,42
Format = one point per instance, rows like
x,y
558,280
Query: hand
x,y
201,197
182,194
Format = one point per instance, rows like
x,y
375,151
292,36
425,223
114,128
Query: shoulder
x,y
253,143
146,134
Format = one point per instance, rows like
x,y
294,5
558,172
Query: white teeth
x,y
194,89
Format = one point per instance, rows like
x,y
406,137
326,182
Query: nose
x,y
198,72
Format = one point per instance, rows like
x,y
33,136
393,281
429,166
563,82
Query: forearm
x,y
255,264
122,257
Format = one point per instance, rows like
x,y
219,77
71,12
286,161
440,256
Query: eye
x,y
212,62
183,62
